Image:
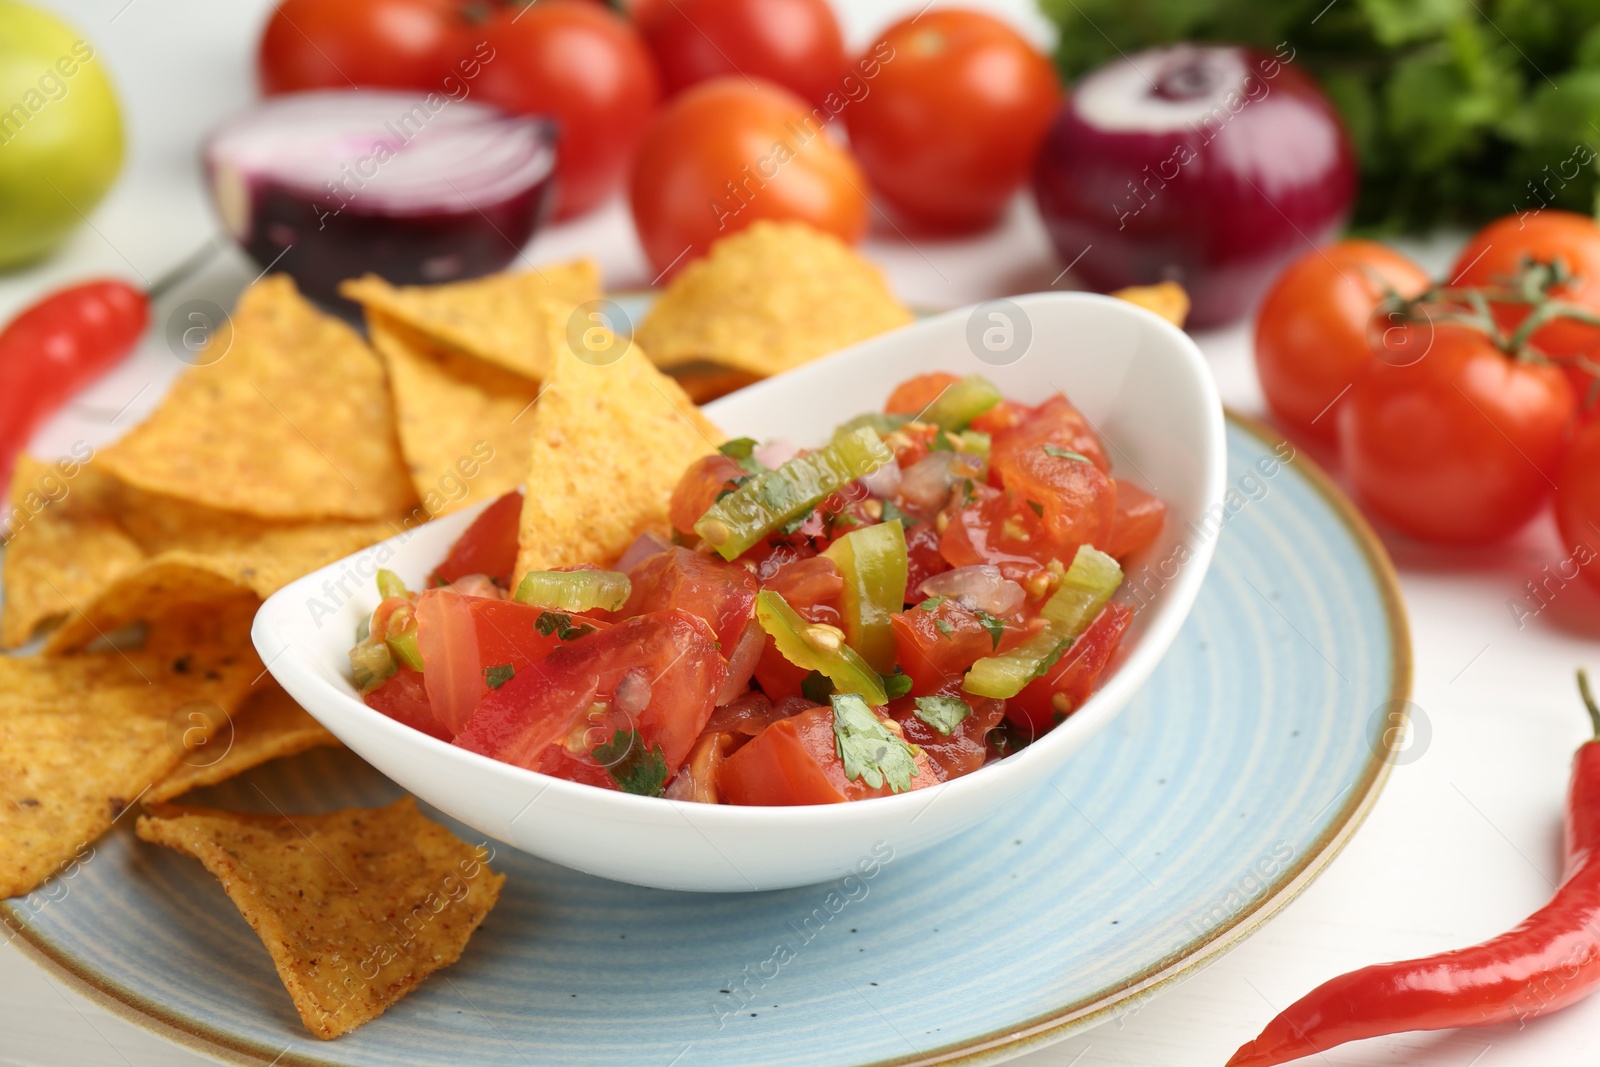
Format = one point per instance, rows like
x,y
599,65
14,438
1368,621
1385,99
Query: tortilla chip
x,y
1167,299
705,382
269,725
768,298
258,553
292,422
463,423
501,319
170,588
355,907
83,737
609,443
63,546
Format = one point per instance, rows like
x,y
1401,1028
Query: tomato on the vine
x,y
1497,251
361,44
1316,326
952,117
587,68
1578,502
1461,446
793,43
730,151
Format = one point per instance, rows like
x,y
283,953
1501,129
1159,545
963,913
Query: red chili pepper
x,y
57,347
1550,961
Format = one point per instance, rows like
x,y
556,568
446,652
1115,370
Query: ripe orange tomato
x,y
376,44
1461,446
1499,249
1315,329
1578,502
731,151
951,121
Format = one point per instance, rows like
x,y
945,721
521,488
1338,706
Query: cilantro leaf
x,y
932,602
996,627
1051,660
1065,453
1038,508
816,687
871,753
896,685
944,626
560,624
891,513
631,767
942,713
743,449
499,675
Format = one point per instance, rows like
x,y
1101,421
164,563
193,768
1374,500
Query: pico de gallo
x,y
930,590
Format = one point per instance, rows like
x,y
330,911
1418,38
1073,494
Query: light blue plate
x,y
1231,780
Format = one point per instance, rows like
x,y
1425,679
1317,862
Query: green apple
x,y
60,131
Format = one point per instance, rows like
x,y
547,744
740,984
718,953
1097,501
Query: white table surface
x,y
1463,843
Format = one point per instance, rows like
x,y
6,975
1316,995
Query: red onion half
x,y
419,188
1211,166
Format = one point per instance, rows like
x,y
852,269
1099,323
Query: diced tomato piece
x,y
1077,502
488,546
674,651
557,762
965,748
404,699
796,761
811,585
1046,701
936,647
912,396
777,677
912,442
922,555
698,489
752,713
1000,529
1003,416
696,780
1138,520
723,594
1056,423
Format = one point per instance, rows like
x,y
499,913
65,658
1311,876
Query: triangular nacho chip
x,y
704,382
171,586
1167,299
292,421
63,546
463,422
83,737
269,726
610,441
355,907
502,318
769,298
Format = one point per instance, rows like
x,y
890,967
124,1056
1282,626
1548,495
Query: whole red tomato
x,y
1315,328
1497,251
588,69
1461,446
378,44
729,152
955,105
1578,502
794,43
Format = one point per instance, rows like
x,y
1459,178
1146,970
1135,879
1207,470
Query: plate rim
x,y
1010,1041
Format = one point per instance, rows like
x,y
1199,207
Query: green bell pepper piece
x,y
775,498
1084,590
574,590
874,564
817,647
961,403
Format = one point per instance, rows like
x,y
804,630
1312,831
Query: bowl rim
x,y
1054,747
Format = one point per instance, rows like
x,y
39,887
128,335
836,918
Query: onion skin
x,y
1218,206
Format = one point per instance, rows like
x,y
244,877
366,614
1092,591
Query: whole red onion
x,y
1211,166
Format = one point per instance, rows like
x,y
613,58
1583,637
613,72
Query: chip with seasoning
x,y
463,422
269,726
503,319
290,420
610,440
769,298
355,907
83,737
1167,299
62,548
171,587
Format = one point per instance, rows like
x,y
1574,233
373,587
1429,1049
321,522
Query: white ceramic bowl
x,y
1141,382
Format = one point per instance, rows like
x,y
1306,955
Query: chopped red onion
x,y
775,454
742,663
632,695
644,546
982,584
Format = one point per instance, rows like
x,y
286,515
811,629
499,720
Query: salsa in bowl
x,y
914,616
